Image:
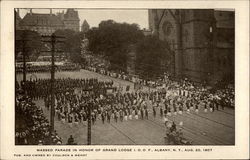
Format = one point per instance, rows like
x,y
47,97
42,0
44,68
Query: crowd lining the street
x,y
47,68
226,93
32,127
79,99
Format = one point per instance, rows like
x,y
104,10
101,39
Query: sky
x,y
95,16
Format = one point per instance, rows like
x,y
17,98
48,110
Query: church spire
x,y
85,26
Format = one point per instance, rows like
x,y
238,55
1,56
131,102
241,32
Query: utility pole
x,y
52,110
89,124
52,40
24,60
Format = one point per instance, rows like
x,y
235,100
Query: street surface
x,y
216,128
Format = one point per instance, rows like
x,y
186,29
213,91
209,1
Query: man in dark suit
x,y
70,140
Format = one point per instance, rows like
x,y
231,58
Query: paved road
x,y
215,128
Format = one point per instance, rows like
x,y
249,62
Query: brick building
x,y
202,41
46,24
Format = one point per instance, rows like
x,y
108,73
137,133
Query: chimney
x,y
30,11
50,11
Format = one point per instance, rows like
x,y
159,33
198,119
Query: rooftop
x,y
35,19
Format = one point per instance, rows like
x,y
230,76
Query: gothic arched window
x,y
167,28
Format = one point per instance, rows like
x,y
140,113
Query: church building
x,y
202,41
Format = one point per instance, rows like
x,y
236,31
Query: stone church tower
x,y
193,37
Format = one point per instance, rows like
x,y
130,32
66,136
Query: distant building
x,y
71,20
46,24
202,41
85,27
17,19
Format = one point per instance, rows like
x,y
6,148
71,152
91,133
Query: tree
x,y
29,42
153,57
112,39
71,45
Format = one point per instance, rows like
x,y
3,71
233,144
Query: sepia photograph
x,y
152,76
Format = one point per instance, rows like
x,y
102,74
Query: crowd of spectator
x,y
77,100
32,127
47,68
75,96
225,95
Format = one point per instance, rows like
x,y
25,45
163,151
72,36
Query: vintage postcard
x,y
124,80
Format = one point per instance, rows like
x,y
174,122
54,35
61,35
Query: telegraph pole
x,y
52,40
89,124
24,60
84,45
52,110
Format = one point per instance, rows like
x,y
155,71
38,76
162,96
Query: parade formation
x,y
120,84
74,97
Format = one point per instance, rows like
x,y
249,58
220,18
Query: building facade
x,y
85,27
202,41
46,24
17,20
71,20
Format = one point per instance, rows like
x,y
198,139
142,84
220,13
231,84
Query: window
x,y
167,28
